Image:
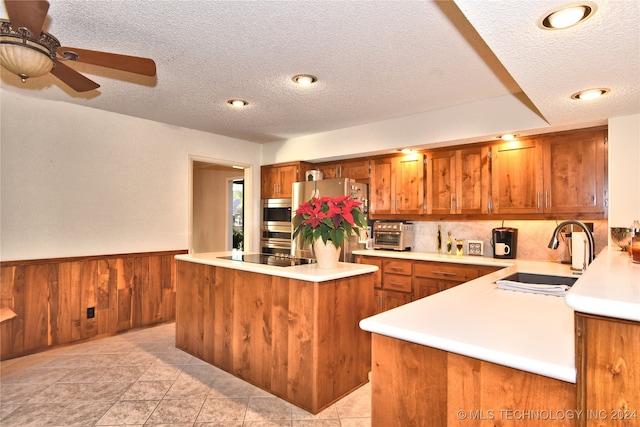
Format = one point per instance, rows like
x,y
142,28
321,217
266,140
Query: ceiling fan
x,y
27,51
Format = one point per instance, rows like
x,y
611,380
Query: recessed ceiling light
x,y
508,136
304,79
567,16
238,103
586,95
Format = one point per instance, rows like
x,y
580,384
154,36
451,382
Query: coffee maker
x,y
505,242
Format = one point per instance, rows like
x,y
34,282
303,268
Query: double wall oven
x,y
276,226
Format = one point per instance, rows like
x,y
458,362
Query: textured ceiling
x,y
375,60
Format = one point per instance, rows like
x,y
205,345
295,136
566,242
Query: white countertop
x,y
610,287
530,332
533,333
430,256
307,272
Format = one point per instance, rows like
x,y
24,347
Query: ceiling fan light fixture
x,y
589,94
567,16
237,103
304,79
25,56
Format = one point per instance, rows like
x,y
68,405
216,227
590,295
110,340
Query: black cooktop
x,y
270,259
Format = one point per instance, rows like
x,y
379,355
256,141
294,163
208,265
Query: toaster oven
x,y
396,236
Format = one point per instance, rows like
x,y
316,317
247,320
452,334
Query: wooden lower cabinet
x,y
433,277
298,340
608,365
386,300
418,386
400,281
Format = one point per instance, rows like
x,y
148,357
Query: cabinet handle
x,y
451,201
396,268
395,284
444,273
396,204
538,198
546,200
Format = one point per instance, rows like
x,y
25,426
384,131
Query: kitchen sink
x,y
542,279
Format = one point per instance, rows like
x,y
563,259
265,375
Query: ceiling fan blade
x,y
72,78
29,14
132,64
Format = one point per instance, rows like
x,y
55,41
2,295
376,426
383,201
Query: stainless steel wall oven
x,y
276,226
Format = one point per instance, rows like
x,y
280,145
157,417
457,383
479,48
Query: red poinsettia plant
x,y
330,218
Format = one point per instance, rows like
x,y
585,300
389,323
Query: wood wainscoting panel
x,y
51,296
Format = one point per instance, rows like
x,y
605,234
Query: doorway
x,y
217,206
236,202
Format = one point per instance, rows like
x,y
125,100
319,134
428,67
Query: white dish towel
x,y
534,288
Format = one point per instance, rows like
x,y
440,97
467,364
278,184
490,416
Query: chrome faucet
x,y
553,244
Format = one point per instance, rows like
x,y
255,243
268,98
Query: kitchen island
x,y
292,331
476,355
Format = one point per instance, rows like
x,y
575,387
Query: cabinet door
x,y
516,179
441,182
355,169
473,181
394,299
277,180
574,173
409,184
608,370
377,261
270,178
329,171
287,175
382,200
424,287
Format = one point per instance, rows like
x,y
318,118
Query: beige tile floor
x,y
140,379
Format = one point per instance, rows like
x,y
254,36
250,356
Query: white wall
x,y
478,121
624,170
78,181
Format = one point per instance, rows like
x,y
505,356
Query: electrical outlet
x,y
474,247
91,312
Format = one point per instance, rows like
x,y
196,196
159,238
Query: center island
x,y
292,331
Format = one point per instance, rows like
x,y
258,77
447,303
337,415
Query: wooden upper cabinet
x,y
277,180
397,185
458,181
441,182
516,177
381,196
556,174
355,169
574,173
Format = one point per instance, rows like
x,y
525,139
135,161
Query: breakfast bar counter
x,y
292,331
476,352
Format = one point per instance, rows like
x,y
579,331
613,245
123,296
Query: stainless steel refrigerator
x,y
305,191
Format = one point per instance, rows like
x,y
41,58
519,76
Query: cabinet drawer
x,y
448,271
397,266
397,282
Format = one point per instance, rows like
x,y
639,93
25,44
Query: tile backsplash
x,y
533,236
